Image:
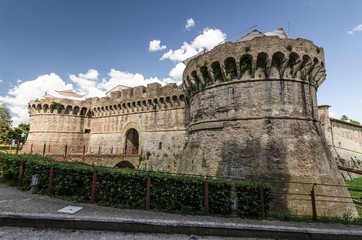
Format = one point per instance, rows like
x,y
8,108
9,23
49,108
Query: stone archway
x,y
131,142
125,164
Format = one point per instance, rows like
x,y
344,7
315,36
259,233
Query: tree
x,y
5,124
21,132
345,118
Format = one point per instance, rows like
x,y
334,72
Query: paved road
x,y
34,211
15,233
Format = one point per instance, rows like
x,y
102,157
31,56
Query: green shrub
x,y
249,199
180,194
73,181
35,165
219,196
126,188
121,188
10,168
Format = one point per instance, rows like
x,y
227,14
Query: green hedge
x,y
10,168
248,198
125,188
181,194
73,181
121,188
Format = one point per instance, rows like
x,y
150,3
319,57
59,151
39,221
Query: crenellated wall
x,y
156,114
259,59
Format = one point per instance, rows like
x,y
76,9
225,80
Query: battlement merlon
x,y
154,93
138,93
59,105
266,57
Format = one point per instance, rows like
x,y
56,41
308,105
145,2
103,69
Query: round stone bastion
x,y
253,114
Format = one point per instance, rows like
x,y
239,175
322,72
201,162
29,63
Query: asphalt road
x,y
16,233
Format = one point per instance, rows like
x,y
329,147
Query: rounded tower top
x,y
256,56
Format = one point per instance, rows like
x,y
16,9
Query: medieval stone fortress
x,y
245,109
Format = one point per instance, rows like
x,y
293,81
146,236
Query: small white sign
x,y
70,209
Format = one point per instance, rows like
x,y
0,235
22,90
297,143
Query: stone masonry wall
x,y
100,125
253,114
345,141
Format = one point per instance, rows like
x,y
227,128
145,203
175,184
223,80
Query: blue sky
x,y
92,45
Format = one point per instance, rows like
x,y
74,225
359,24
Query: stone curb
x,y
176,227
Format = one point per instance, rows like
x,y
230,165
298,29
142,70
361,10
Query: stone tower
x,y
253,114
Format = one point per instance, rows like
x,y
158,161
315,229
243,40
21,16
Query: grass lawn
x,y
355,189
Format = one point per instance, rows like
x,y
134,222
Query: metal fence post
x,y
45,146
65,150
314,207
262,201
20,176
206,196
94,187
31,148
50,182
148,193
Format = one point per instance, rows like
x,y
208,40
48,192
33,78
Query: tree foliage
x,y
345,118
21,132
5,124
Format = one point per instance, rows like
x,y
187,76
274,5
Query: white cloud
x,y
87,83
155,45
206,40
92,74
190,23
1,81
19,96
176,72
117,77
356,29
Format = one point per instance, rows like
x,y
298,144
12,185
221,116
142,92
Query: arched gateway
x,y
125,164
131,142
